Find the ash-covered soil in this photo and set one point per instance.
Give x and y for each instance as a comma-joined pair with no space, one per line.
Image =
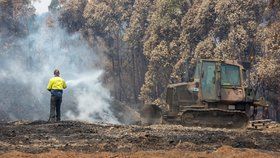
71,136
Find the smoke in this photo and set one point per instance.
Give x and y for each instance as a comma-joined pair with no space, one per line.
28,64
42,6
93,99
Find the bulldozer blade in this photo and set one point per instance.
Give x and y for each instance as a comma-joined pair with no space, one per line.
151,114
215,118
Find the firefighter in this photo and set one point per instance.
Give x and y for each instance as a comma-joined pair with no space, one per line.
56,86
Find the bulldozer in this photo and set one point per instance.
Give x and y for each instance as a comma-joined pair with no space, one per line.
216,97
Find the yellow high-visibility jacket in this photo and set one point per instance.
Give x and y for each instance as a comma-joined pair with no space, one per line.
56,83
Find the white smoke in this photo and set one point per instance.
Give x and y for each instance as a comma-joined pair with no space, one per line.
42,6
92,98
26,69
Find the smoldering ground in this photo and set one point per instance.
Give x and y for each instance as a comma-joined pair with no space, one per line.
27,64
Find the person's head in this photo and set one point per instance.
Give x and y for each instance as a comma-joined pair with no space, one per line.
56,73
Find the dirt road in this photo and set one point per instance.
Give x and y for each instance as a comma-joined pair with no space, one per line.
69,137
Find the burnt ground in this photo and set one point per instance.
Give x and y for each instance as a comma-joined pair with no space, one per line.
71,136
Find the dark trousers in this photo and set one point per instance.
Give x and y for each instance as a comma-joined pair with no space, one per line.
55,108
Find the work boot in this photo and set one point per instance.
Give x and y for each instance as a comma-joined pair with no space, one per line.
51,120
58,119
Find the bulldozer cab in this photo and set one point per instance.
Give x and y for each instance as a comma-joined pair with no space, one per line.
219,80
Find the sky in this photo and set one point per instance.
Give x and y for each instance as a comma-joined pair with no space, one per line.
42,6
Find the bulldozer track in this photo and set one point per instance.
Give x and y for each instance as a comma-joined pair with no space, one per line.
262,124
216,118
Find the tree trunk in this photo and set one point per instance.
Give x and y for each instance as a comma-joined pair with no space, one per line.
119,69
134,78
114,76
277,113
